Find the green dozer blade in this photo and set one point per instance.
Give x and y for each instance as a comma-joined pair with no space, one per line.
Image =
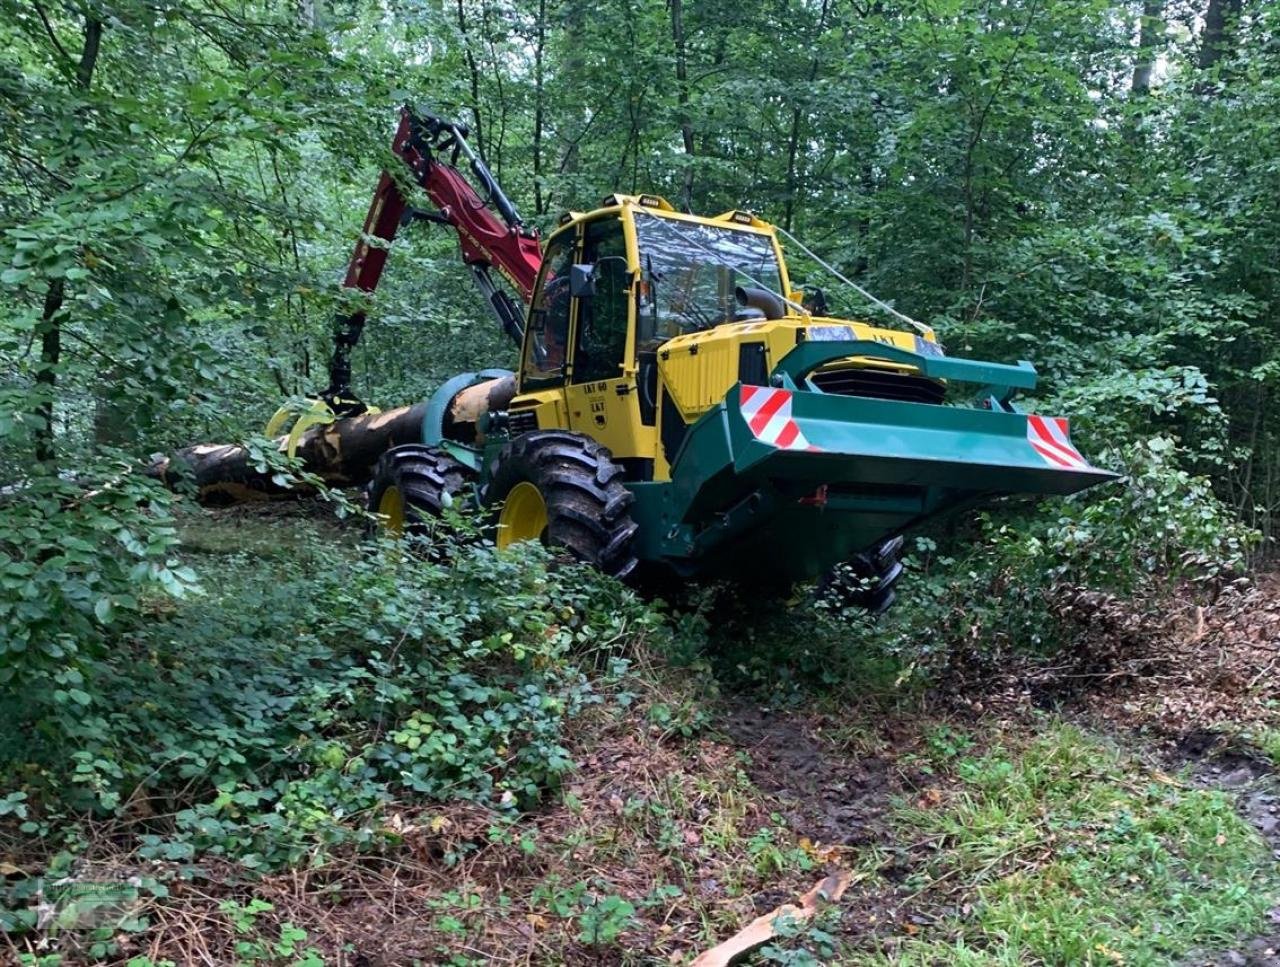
795,480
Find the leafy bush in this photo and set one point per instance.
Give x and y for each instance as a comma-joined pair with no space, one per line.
274,714
1142,537
79,559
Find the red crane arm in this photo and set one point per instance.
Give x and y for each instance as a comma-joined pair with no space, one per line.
504,244
484,238
431,146
383,221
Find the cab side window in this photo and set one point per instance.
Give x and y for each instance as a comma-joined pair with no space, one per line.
602,319
547,342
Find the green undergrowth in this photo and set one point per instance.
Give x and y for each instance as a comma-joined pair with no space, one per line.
271,715
1058,848
317,702
1271,745
1266,741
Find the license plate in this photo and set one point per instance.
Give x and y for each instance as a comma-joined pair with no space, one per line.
831,333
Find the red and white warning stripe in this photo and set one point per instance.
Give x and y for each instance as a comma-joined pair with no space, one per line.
768,414
1051,438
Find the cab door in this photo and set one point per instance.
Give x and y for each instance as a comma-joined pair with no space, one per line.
544,359
601,393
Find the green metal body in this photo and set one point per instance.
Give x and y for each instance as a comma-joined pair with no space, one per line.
433,420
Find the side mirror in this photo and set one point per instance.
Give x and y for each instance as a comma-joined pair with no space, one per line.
815,300
582,281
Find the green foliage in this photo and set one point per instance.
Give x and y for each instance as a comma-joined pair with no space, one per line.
254,948
180,187
771,852
605,919
80,560
803,944
1069,853
274,714
1163,526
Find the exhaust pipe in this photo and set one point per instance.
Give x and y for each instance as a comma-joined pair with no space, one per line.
762,299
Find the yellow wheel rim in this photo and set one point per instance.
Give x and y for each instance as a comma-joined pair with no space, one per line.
523,516
391,510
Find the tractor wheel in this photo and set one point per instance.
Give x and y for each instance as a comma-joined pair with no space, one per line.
412,485
564,490
867,580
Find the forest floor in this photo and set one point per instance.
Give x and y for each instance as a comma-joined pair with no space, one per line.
1122,807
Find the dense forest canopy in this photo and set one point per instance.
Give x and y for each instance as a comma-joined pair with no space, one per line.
1091,186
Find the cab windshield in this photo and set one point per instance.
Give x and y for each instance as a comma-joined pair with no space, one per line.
690,271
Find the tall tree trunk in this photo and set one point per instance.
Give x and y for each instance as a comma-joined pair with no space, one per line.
1220,19
477,128
49,328
539,108
309,14
50,332
573,119
682,99
1149,33
793,140
496,143
979,112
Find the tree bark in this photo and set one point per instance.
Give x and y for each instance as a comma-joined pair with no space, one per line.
1220,19
573,120
477,129
50,326
50,330
682,99
539,108
309,14
793,144
1149,33
341,453
793,140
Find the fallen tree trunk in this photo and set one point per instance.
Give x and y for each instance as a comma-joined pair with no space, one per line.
341,453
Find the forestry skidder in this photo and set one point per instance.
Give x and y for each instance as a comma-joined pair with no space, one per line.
679,406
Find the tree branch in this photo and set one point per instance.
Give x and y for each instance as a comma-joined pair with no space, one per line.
48,28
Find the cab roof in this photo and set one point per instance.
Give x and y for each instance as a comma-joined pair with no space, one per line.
617,200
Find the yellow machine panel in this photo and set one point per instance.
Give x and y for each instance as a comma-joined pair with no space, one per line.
699,368
608,411
546,406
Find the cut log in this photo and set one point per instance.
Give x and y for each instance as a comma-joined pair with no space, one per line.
463,418
763,929
341,453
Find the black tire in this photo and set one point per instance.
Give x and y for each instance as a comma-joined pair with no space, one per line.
427,479
867,580
588,508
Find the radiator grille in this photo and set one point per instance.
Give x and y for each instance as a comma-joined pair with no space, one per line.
880,384
521,421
